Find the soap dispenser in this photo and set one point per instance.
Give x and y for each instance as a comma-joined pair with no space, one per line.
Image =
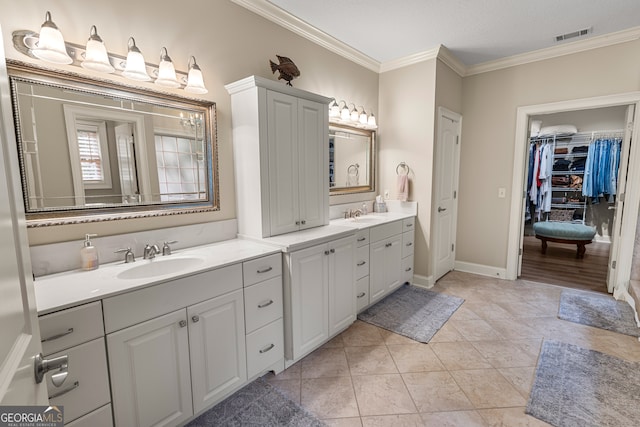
89,253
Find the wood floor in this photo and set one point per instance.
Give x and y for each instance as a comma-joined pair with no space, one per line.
560,265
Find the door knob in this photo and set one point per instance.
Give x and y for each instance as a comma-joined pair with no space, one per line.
42,366
441,209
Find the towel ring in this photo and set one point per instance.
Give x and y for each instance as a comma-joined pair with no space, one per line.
404,166
353,169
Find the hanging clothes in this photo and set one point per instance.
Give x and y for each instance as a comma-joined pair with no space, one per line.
601,169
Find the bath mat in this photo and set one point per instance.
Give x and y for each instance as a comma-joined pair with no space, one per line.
257,404
574,386
599,311
413,312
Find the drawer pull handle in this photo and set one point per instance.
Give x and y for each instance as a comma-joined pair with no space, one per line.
361,263
195,318
409,244
265,270
265,304
267,348
409,225
362,239
388,245
55,337
408,269
66,390
182,323
361,294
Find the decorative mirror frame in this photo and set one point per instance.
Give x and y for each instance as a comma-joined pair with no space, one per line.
371,187
22,72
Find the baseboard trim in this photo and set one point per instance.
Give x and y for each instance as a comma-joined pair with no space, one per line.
423,281
482,270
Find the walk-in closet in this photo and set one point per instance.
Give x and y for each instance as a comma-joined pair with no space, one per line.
571,187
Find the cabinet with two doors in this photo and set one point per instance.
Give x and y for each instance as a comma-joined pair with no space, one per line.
177,348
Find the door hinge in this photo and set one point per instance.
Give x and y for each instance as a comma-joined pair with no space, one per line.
452,247
457,139
455,194
520,251
613,264
621,197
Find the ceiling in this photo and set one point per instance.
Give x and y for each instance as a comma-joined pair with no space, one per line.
475,31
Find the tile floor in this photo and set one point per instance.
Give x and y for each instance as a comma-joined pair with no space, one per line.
476,371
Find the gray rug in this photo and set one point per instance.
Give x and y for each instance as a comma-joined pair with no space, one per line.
257,404
600,311
413,312
574,386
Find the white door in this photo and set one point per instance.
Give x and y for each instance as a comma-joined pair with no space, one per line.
282,140
309,298
217,344
342,293
445,207
612,271
150,374
19,331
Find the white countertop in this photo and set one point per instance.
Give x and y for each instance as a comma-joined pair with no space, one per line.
63,290
371,220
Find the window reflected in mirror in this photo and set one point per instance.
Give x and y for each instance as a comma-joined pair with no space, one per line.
351,160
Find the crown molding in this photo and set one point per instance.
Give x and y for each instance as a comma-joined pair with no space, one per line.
278,16
556,51
409,60
446,56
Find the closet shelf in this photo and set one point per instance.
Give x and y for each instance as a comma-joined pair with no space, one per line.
565,189
554,173
568,205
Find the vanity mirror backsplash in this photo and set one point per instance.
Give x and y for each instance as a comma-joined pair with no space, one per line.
351,159
94,150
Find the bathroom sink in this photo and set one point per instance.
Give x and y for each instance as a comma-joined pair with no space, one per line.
159,267
369,218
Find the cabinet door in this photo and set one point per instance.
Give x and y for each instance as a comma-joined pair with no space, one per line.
282,141
342,296
384,266
309,299
217,345
149,370
313,157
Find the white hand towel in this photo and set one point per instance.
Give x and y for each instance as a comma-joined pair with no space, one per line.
403,187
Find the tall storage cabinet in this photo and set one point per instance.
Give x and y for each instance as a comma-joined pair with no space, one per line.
281,157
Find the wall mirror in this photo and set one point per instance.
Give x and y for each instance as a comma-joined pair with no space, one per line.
92,150
351,159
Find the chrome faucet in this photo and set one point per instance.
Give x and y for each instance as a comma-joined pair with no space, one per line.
352,213
150,252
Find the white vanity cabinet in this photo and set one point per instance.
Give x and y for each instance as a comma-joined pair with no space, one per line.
281,157
408,241
319,294
79,333
385,256
362,269
190,353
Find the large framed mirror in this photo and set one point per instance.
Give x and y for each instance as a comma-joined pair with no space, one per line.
93,150
351,159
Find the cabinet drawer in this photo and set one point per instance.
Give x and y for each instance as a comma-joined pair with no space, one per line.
383,231
407,243
262,303
265,347
362,292
407,269
134,307
101,417
87,385
66,328
409,224
362,261
261,269
362,237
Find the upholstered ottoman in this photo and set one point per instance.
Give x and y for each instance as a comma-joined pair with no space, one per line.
564,232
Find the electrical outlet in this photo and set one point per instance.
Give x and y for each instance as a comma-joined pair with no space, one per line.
502,193
386,194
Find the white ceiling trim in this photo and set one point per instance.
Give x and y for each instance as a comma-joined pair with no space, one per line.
409,60
285,19
556,51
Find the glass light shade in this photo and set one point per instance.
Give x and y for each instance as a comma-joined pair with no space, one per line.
345,114
135,68
354,115
195,82
363,117
50,46
334,109
372,120
96,57
166,71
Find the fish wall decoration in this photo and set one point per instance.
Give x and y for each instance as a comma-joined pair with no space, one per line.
288,70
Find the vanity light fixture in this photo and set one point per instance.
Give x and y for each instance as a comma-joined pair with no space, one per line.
334,109
363,117
345,114
372,121
135,68
354,115
340,113
166,71
96,57
195,82
50,46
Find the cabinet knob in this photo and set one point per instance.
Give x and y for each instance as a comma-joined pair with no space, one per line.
327,252
182,323
303,222
333,251
361,294
297,222
387,245
409,244
195,318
